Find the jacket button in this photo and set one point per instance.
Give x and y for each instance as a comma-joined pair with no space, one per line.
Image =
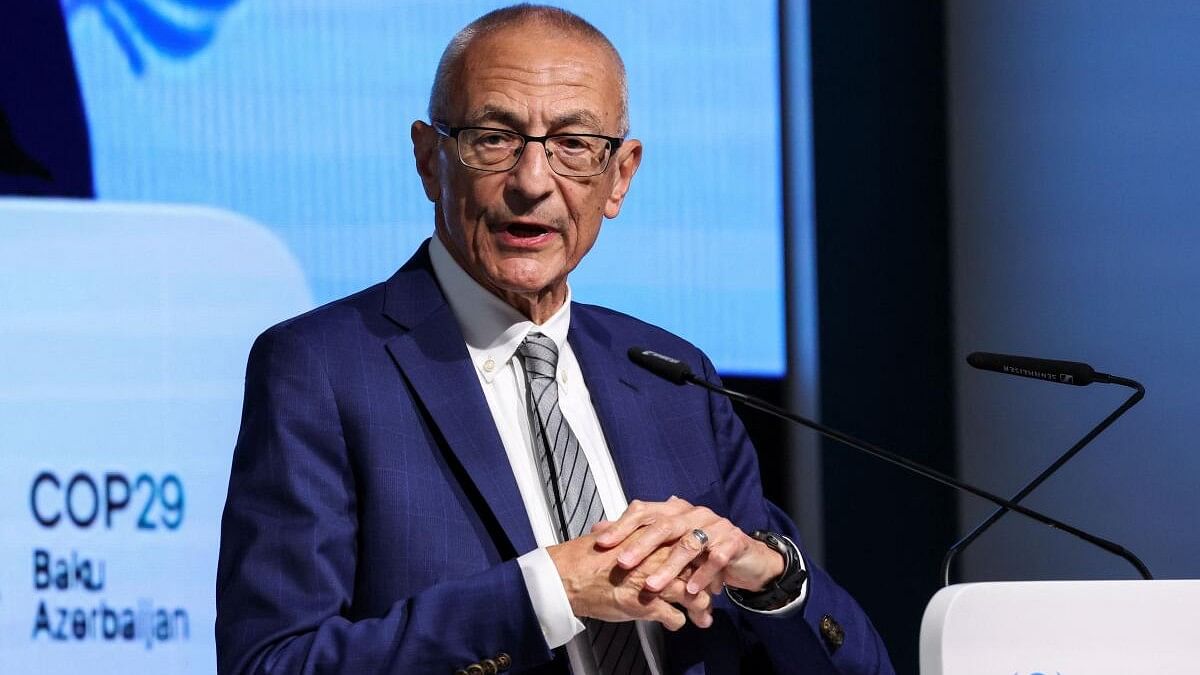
475,669
489,667
832,633
503,661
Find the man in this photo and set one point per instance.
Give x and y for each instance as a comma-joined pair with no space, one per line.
432,475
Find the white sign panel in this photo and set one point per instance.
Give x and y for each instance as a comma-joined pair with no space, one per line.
124,331
1063,628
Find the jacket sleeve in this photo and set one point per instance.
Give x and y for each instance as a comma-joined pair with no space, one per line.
288,559
794,639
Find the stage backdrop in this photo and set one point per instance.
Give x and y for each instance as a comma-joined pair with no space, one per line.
126,320
1076,160
297,114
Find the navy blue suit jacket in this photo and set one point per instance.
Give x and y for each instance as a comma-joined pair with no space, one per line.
373,521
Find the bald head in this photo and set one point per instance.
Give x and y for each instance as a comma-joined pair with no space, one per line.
532,20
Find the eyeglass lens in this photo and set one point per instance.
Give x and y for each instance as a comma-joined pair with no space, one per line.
494,150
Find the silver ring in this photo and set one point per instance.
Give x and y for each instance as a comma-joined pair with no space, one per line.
702,537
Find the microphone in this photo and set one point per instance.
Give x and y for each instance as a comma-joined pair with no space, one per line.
666,367
676,371
1049,370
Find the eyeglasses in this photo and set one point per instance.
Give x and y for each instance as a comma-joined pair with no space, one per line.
574,155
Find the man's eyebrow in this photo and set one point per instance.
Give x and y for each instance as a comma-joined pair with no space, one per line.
495,116
508,118
584,118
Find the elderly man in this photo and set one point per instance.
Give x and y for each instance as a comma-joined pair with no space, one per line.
458,470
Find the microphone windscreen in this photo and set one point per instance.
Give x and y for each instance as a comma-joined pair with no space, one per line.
1049,370
664,366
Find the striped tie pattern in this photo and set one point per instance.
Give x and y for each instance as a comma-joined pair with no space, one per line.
571,494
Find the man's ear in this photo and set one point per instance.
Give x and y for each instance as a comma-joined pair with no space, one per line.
628,159
425,151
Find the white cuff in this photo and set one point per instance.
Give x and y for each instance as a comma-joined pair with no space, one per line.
549,598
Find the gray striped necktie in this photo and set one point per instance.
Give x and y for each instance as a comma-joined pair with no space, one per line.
571,494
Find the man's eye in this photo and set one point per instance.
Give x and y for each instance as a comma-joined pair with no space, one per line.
493,140
573,143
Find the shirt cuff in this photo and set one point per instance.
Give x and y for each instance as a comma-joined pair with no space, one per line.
550,604
797,603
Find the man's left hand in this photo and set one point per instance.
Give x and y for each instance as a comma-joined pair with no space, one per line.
730,556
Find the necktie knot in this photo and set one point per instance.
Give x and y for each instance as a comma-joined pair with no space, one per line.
539,355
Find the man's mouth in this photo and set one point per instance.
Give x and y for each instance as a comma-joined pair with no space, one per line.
527,230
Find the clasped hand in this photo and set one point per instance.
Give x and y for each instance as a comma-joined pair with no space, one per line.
646,562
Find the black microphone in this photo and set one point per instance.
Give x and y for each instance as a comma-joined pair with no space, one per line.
1066,372
666,367
1050,370
676,371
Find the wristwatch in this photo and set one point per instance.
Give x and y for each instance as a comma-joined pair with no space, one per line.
784,588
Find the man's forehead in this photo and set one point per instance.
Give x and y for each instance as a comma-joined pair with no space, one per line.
537,53
571,80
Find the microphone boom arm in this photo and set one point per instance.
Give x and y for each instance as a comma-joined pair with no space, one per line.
932,474
1139,392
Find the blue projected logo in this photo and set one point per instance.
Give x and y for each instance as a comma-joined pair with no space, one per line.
176,29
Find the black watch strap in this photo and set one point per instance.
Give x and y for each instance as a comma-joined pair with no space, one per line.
785,588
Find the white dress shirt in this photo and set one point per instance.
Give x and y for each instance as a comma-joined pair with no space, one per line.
493,331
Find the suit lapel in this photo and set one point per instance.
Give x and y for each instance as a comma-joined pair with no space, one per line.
647,469
432,356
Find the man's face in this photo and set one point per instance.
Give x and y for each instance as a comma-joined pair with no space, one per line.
519,232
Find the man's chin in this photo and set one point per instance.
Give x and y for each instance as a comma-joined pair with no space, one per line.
528,290
522,276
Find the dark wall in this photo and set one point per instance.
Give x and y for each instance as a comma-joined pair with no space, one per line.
878,78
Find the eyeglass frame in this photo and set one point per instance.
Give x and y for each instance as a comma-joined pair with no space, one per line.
447,131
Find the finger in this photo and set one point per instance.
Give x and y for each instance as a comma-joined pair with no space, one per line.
601,525
673,529
655,536
637,515
718,557
654,608
698,605
689,550
701,616
684,552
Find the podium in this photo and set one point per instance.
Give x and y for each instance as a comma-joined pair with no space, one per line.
1063,628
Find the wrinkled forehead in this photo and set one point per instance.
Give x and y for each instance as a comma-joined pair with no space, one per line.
534,70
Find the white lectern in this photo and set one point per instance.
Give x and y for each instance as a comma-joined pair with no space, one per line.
1063,628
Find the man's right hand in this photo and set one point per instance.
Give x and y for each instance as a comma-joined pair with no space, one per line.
599,588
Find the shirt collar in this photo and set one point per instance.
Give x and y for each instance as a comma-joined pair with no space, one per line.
492,328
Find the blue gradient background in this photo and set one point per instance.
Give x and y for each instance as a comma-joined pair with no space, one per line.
1075,151
297,114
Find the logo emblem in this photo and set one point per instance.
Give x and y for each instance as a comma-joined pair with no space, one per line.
176,29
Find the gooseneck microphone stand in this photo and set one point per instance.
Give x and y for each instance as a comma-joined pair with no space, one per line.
1103,378
674,370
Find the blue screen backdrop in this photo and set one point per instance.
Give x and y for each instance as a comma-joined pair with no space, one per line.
296,114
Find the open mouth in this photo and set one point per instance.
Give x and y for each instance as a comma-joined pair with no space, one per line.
527,230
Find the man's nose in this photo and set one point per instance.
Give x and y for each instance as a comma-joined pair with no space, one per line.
532,177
